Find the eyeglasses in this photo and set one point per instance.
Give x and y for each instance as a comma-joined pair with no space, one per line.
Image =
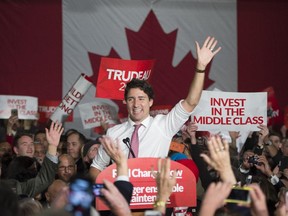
63,168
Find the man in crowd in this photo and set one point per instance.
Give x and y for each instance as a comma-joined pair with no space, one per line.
24,145
66,168
75,142
154,134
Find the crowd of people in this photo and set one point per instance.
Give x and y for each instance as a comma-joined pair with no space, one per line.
42,171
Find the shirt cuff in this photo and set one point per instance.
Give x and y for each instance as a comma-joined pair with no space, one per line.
52,158
122,178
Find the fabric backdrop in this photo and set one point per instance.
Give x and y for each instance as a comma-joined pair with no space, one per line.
46,44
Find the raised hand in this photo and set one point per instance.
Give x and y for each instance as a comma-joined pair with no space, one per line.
215,197
113,149
206,52
165,184
54,133
115,200
219,158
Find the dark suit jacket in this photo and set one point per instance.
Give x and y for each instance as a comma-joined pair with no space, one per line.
38,184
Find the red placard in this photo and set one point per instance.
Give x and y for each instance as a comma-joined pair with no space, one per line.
145,190
115,73
46,109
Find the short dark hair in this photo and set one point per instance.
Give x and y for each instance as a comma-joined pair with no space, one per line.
82,138
18,136
141,84
39,132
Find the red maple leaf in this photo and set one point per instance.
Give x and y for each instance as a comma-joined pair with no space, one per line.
170,83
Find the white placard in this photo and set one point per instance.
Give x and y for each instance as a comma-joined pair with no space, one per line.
230,111
27,106
93,113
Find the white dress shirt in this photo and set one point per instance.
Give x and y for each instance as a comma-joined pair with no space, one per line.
155,135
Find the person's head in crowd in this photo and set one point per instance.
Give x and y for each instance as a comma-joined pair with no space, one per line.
23,145
5,148
8,201
69,131
139,97
75,141
275,139
66,167
29,207
40,137
39,152
89,150
22,168
284,147
53,190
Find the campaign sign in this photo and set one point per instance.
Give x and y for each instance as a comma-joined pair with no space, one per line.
145,189
27,106
230,111
94,113
72,98
46,108
160,109
115,73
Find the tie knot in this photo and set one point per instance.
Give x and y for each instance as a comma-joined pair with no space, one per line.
137,126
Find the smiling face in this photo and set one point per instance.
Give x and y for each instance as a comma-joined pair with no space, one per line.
25,146
138,104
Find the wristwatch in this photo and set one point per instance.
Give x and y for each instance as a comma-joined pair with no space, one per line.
274,179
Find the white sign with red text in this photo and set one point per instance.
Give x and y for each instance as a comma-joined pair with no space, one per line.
230,111
72,98
93,113
27,106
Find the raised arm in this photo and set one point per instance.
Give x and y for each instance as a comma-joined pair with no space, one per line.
48,170
165,184
204,56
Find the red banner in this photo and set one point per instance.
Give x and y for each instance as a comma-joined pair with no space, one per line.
115,73
46,109
145,190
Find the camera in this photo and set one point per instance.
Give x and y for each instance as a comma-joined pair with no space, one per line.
14,112
239,195
253,160
81,194
97,190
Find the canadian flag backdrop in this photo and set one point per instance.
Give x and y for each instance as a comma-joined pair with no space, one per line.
46,44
